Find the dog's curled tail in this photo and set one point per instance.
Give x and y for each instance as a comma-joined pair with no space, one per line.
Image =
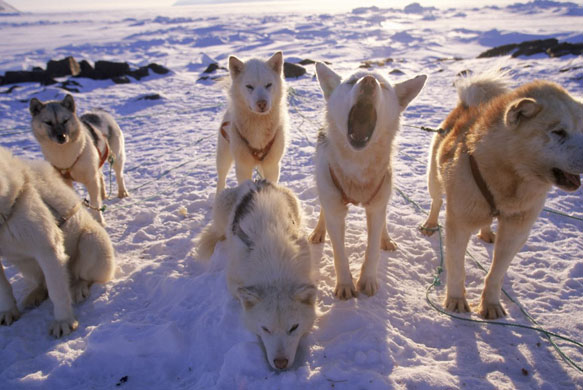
207,240
479,89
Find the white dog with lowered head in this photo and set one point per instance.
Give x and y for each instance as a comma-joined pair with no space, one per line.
501,153
353,164
253,130
51,239
269,269
78,147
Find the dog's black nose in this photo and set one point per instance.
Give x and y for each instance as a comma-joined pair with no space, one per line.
262,105
280,363
61,138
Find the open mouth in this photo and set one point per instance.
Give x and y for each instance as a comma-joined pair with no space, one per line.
566,181
362,120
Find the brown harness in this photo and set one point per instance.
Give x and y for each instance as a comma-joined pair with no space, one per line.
481,183
62,219
345,198
258,154
66,172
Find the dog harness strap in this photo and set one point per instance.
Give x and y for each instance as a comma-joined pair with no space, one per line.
66,172
62,219
103,157
97,136
345,198
258,154
223,131
483,186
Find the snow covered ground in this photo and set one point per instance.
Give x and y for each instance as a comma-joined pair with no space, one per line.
167,320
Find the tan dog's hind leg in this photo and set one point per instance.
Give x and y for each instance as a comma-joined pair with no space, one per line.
486,234
319,234
456,241
431,224
512,234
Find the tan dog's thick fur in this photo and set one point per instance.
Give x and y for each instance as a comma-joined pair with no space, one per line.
78,147
52,240
523,141
253,130
353,164
269,269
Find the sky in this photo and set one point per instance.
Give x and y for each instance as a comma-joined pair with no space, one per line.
75,5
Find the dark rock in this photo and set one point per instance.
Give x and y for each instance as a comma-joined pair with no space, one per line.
109,70
211,68
140,73
565,48
9,90
87,70
293,70
307,62
151,96
65,67
121,80
157,68
498,51
397,72
13,77
530,48
550,46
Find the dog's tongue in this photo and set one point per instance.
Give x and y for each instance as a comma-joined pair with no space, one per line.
361,122
567,181
574,180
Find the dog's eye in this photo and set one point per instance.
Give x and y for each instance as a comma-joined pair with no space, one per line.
249,87
48,123
266,330
293,328
561,133
65,121
267,86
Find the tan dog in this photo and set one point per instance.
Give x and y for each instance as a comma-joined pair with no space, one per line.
353,164
253,130
78,147
502,152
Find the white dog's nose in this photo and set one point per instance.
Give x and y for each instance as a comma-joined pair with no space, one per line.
368,85
280,363
261,105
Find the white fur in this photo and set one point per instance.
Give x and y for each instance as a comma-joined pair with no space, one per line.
270,269
257,111
62,262
359,171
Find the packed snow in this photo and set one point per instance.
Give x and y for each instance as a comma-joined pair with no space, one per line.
167,321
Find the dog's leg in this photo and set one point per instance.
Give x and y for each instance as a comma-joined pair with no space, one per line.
8,310
224,162
387,244
95,197
375,223
431,224
244,171
486,234
118,166
32,272
271,172
512,234
456,241
335,222
102,185
319,234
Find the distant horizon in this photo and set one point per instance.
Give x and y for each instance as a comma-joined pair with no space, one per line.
332,5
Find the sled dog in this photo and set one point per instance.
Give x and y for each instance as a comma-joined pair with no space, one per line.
78,147
353,164
269,269
253,129
51,239
501,152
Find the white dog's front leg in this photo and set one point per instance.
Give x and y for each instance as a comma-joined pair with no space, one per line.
512,234
375,222
244,171
335,221
94,190
271,172
319,234
456,241
8,310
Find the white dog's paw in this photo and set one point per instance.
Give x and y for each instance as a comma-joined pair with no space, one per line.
345,291
318,236
36,297
428,228
487,236
9,316
62,328
123,194
457,305
387,244
80,290
367,285
491,311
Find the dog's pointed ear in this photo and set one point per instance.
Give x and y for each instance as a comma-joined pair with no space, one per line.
408,90
69,103
249,296
306,294
327,78
35,106
236,66
520,109
276,62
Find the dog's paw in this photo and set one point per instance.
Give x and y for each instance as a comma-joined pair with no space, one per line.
387,244
123,194
345,291
80,290
317,236
491,311
457,305
36,297
367,285
62,328
428,228
487,236
9,316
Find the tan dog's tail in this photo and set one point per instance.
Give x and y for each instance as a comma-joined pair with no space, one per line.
207,240
476,90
